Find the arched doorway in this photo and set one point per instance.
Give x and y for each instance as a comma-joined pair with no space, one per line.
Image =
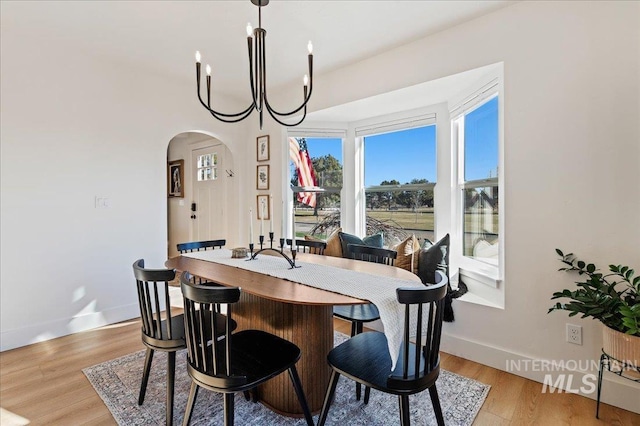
200,211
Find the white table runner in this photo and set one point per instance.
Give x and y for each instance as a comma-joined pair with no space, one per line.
377,289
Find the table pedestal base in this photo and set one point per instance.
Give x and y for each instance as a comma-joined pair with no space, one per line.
310,327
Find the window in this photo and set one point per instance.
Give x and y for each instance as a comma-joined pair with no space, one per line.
207,166
394,156
478,184
399,178
318,213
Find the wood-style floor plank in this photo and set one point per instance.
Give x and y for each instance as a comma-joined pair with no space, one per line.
44,384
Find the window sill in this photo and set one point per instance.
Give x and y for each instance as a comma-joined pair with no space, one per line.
484,288
477,300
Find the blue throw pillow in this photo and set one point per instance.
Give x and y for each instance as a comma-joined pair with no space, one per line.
375,240
432,259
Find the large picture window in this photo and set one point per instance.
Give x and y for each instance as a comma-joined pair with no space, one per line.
399,178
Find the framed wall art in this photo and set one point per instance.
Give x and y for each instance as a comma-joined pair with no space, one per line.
263,206
262,148
176,179
262,177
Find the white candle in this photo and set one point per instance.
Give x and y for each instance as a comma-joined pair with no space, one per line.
293,230
271,207
250,226
261,217
282,221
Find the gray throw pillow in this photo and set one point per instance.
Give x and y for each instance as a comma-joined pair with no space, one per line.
375,240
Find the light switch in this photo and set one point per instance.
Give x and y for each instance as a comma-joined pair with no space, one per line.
102,202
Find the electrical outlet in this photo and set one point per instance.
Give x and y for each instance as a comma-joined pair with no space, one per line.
574,334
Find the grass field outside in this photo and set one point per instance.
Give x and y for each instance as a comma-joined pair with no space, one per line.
420,222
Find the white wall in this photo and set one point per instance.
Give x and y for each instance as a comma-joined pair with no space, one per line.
83,127
74,127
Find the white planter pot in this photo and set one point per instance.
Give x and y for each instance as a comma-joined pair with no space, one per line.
623,347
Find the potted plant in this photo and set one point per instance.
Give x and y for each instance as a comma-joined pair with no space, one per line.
612,298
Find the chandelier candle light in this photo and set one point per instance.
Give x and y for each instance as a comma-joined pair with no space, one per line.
292,259
258,80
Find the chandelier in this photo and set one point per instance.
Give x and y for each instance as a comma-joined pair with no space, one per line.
258,80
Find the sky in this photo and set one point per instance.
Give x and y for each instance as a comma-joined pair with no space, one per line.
411,154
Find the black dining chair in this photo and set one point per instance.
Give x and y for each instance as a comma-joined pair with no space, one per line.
359,314
365,358
200,245
309,246
161,329
228,363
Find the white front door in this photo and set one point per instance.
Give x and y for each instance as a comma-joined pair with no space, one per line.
209,193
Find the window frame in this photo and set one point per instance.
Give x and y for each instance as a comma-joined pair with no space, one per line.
484,279
411,121
322,131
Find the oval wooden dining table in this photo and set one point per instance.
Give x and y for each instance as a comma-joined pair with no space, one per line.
299,313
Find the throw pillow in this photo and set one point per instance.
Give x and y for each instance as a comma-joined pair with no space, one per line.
434,258
408,254
375,240
333,244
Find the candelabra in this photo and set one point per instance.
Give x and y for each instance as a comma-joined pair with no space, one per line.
291,260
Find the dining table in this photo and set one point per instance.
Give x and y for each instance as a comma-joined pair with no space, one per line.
297,305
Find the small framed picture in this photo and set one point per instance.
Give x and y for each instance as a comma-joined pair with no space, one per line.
175,172
262,177
262,148
263,206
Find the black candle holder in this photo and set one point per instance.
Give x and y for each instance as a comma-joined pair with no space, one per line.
280,251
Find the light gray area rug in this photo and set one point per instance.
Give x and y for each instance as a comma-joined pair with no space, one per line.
118,383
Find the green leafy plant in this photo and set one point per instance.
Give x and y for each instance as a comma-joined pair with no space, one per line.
610,298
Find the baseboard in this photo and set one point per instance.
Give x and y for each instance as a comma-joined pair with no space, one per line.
616,391
11,339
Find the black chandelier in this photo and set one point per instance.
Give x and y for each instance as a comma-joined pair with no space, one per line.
258,80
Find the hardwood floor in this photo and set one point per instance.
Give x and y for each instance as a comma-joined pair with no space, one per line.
43,384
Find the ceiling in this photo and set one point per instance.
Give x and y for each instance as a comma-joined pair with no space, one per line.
164,35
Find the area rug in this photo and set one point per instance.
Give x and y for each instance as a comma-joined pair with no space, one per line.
118,383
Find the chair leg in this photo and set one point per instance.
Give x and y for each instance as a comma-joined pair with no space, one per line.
297,386
193,392
328,397
171,375
252,395
367,392
356,328
405,414
435,401
228,409
145,375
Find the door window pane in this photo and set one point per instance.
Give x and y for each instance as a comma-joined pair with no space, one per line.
207,167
